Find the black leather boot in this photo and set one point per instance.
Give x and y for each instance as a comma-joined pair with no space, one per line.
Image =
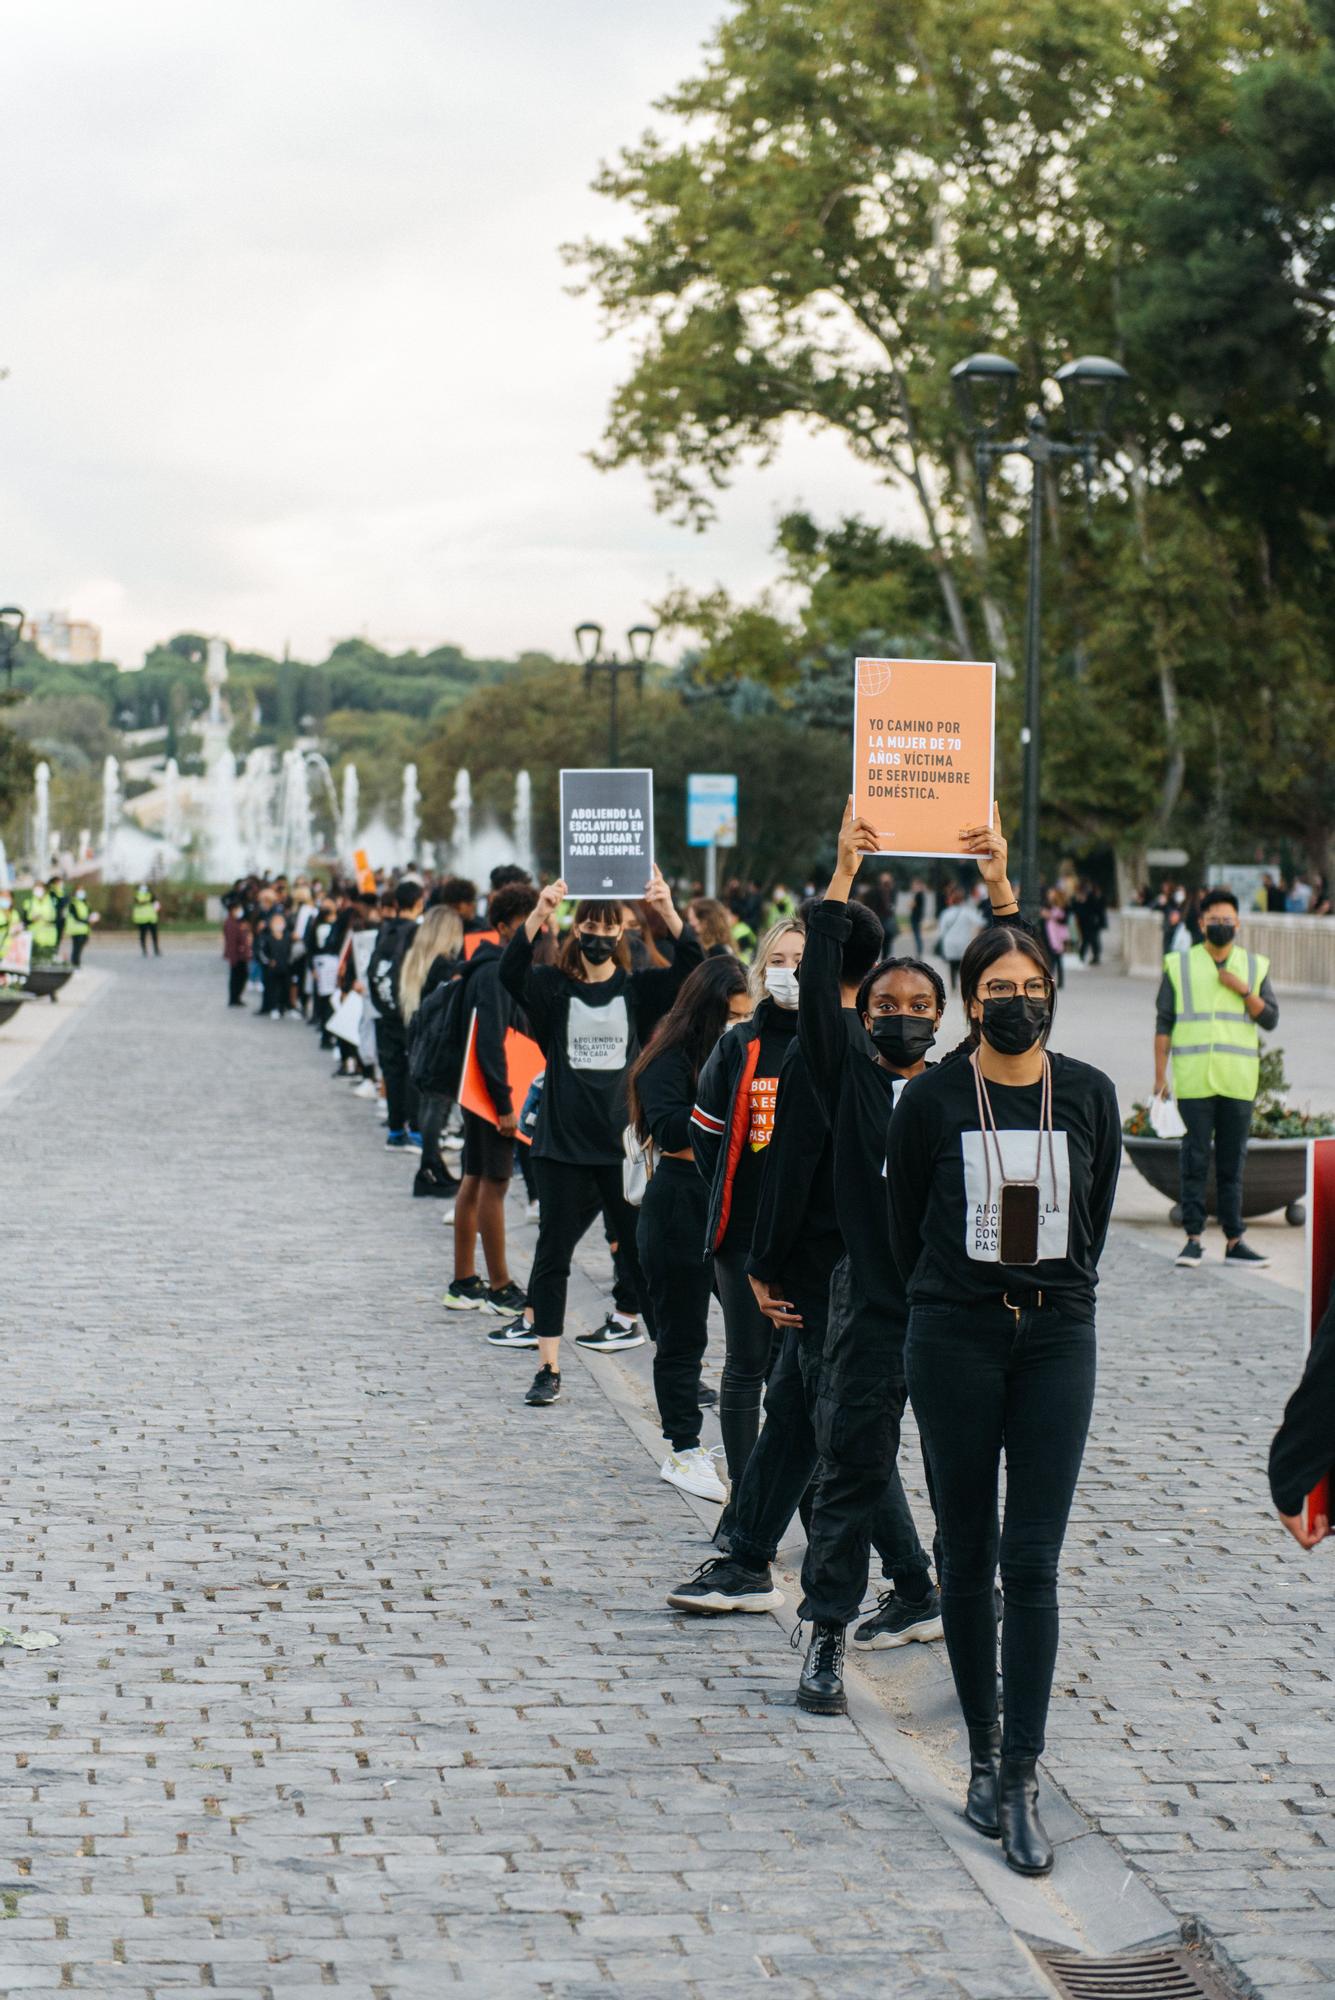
821,1688
980,1807
1027,1847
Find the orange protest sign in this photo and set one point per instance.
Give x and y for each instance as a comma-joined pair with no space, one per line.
365,872
923,751
524,1060
474,938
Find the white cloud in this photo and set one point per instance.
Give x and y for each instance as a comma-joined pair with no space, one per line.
291,350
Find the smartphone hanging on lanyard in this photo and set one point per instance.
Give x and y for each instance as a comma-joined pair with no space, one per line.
1017,1235
1018,1211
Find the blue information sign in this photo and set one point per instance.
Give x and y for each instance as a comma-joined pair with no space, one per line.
711,809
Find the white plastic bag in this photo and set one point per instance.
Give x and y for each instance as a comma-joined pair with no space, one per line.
1165,1118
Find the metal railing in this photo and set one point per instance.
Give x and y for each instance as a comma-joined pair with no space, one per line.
1301,950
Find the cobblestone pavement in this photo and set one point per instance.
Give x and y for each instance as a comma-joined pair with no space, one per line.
366,1683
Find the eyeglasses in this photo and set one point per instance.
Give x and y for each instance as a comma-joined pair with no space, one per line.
1005,989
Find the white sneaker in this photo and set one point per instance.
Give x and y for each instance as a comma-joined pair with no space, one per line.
382,1112
366,1088
447,1213
694,1471
532,1211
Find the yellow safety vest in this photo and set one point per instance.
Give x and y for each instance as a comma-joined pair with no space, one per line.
76,917
143,911
42,921
1215,1044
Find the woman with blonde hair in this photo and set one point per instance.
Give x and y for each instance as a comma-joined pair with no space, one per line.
731,1127
434,956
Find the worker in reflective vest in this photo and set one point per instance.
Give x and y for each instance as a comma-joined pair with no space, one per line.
1213,1001
43,922
11,923
78,923
144,912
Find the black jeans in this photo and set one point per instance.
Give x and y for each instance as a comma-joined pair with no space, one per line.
1226,1120
145,932
678,1284
237,975
572,1197
434,1110
748,1356
860,1497
76,949
778,1473
276,993
985,1381
391,1047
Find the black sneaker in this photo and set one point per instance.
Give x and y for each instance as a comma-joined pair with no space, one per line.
1191,1256
610,1338
423,1185
515,1333
509,1298
1239,1258
546,1388
399,1142
896,1622
465,1295
708,1398
820,1691
723,1585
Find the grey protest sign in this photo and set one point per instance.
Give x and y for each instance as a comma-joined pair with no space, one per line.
607,832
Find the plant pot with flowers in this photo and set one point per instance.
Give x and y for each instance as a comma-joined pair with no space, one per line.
1275,1173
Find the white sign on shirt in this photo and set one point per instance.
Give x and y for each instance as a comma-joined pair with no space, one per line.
598,1037
1019,1150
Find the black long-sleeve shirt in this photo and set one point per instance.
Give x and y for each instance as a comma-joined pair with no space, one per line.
590,1032
666,1087
858,1095
796,1238
943,1184
1303,1452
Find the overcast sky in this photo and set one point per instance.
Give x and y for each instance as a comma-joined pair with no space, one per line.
290,351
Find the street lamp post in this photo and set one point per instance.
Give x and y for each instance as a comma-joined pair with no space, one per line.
639,644
985,387
11,625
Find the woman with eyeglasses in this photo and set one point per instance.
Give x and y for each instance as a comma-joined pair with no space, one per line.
860,1065
1000,1174
589,1014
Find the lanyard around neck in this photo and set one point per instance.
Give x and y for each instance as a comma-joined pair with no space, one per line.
992,1138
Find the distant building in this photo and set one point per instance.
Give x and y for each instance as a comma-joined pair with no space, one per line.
72,642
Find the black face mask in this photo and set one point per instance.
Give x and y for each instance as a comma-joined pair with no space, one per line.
1013,1026
903,1039
597,949
1220,934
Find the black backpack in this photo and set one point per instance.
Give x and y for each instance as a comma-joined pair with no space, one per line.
382,974
436,1054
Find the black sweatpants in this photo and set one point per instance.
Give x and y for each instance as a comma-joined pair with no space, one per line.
859,1493
984,1381
678,1285
237,975
572,1198
391,1046
1227,1121
751,1345
145,932
434,1109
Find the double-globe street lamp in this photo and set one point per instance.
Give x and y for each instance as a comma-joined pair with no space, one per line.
639,644
985,388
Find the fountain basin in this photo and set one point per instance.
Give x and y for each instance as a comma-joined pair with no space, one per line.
10,1003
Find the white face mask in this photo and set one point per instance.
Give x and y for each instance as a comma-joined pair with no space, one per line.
781,984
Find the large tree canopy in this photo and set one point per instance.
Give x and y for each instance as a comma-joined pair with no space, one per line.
851,197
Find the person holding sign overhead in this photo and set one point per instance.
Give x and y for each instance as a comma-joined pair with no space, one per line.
589,1014
1001,1170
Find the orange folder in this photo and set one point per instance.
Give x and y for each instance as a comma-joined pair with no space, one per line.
524,1060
